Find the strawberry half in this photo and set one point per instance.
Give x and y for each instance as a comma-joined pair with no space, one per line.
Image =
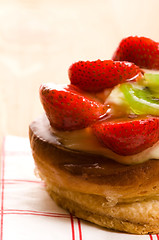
68,109
95,76
128,137
142,51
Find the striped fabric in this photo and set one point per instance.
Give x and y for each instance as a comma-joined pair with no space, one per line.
28,213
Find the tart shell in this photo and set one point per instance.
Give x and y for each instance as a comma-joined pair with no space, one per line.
96,188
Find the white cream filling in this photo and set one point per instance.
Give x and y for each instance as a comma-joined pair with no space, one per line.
84,140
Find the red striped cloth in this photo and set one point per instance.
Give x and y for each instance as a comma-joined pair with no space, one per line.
27,212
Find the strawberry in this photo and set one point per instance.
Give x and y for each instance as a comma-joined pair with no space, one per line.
128,136
142,51
68,109
95,76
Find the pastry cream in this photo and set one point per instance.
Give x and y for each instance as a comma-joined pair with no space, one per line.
84,140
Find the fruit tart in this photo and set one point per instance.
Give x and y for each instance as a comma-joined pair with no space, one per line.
97,145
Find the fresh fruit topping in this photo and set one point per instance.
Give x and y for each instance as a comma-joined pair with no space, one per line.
95,76
142,51
141,101
151,81
68,109
128,137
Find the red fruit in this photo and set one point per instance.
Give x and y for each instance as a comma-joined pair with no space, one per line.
97,75
128,137
142,51
68,109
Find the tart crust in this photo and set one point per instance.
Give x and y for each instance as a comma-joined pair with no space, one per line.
95,188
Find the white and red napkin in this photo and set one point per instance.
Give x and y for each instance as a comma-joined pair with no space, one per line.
28,213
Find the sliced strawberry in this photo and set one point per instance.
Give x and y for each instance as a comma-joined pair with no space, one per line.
95,76
129,136
68,109
142,51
